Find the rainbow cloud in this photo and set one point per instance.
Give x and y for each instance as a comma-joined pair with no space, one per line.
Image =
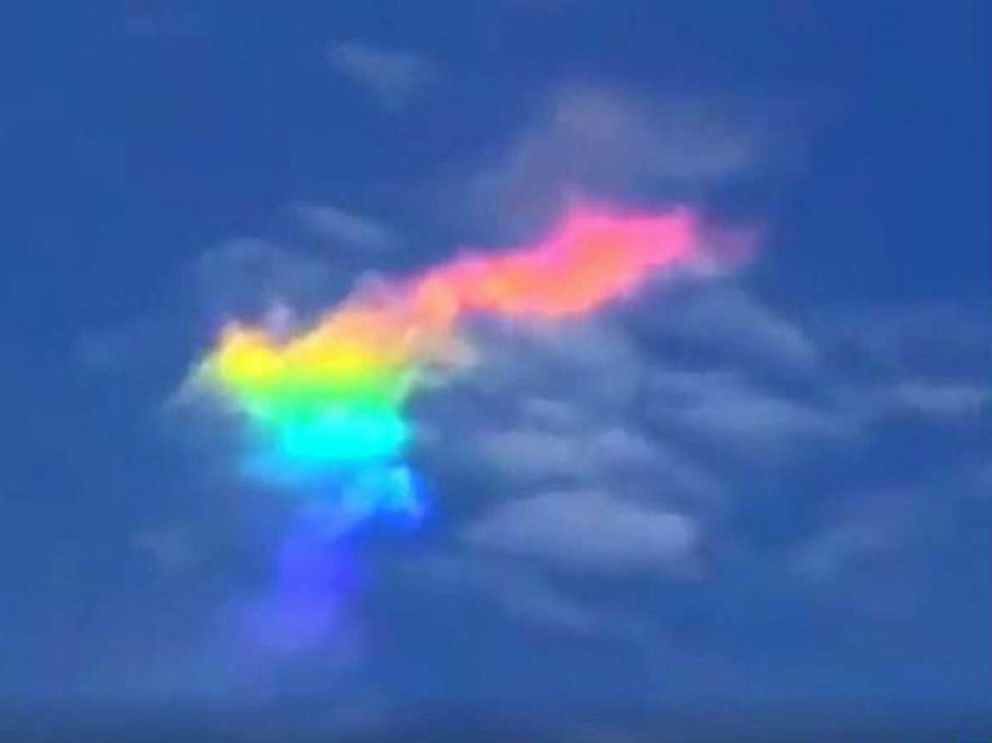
324,410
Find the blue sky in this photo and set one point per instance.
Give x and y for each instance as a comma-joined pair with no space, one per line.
769,486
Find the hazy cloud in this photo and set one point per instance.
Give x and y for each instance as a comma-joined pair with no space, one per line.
600,140
941,399
171,548
924,340
392,76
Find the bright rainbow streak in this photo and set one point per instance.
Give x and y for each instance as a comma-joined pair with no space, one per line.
325,408
591,258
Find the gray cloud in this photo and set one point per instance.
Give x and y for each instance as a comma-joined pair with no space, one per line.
564,408
728,410
589,531
605,454
727,319
616,457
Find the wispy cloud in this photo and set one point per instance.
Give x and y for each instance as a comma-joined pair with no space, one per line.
606,140
942,399
394,77
523,594
344,228
147,21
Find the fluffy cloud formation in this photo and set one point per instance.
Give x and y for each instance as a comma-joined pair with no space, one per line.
625,446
